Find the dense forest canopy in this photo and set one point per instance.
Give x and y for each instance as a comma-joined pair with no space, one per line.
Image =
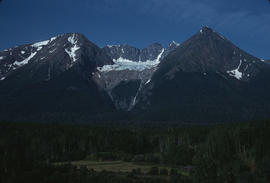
217,153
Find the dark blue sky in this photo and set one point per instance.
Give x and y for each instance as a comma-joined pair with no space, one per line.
137,22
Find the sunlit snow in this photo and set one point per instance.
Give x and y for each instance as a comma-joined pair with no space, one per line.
39,45
134,101
72,39
25,61
236,73
52,39
110,46
73,49
125,64
177,44
72,52
1,58
147,81
42,43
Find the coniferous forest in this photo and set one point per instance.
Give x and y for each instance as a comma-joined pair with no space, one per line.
47,153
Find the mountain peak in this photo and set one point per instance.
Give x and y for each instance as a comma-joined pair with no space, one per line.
206,29
173,43
208,51
209,32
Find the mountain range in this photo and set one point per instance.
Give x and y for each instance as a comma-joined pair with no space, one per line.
68,78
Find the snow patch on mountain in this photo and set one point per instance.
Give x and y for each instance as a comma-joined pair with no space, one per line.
125,64
236,73
25,61
40,45
72,53
52,39
135,97
174,43
133,102
1,58
159,56
111,46
73,49
72,39
148,81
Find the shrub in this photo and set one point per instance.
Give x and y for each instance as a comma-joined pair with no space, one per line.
153,171
164,171
173,171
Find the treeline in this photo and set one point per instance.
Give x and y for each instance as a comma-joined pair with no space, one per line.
217,153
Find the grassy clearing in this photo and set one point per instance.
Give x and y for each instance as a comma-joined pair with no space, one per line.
122,167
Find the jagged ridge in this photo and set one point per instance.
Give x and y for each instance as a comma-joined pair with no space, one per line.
203,79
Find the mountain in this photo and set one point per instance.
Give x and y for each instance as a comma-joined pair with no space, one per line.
207,79
208,51
67,78
52,80
61,53
267,61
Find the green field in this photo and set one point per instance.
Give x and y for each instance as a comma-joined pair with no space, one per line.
122,167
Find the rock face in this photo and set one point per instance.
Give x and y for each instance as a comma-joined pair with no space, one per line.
69,79
130,53
132,68
123,51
